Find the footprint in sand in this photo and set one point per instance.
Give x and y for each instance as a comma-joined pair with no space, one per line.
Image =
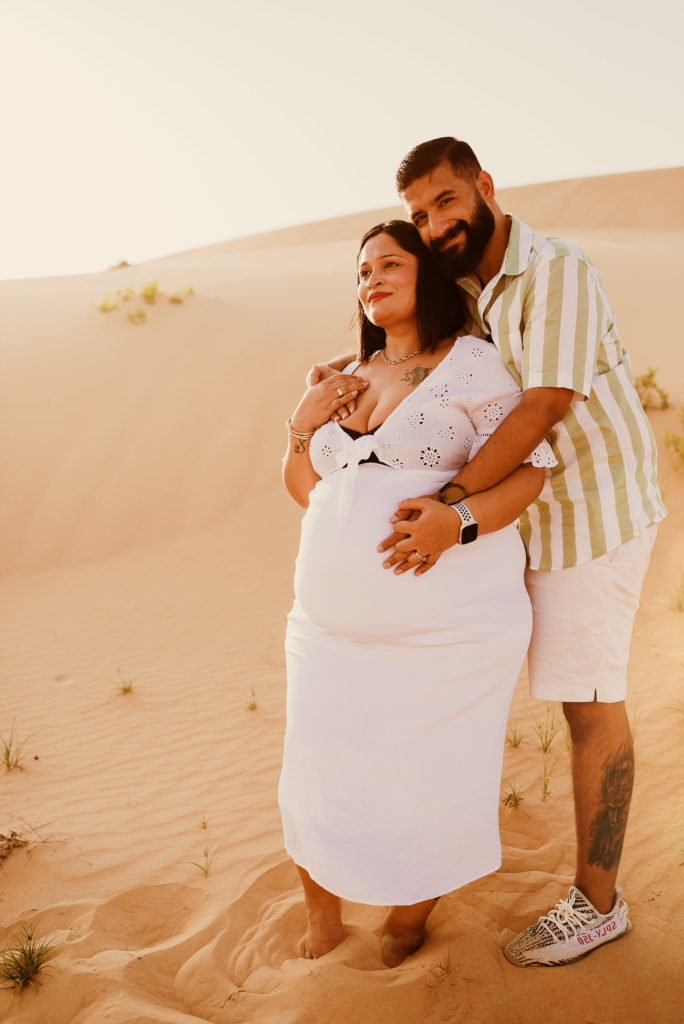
64,678
261,950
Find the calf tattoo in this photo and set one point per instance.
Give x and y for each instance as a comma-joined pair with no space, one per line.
416,375
607,833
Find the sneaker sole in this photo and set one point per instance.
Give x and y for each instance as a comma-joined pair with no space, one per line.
563,963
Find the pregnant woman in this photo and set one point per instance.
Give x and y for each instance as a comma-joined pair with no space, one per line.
399,684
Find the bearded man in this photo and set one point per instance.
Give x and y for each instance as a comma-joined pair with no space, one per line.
590,533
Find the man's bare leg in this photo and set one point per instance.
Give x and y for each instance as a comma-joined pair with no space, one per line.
403,931
324,928
602,775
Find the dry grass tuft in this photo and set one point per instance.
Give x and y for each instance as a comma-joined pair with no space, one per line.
21,964
123,685
12,841
205,862
514,738
11,751
548,729
513,795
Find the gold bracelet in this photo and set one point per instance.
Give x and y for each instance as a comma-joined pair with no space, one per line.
300,435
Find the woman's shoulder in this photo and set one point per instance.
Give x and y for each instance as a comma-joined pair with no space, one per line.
469,349
468,342
480,363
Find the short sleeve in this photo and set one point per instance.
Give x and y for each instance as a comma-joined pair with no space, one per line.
564,316
492,396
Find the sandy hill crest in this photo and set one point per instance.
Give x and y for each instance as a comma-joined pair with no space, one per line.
638,201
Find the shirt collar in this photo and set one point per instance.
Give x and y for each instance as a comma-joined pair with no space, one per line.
516,258
519,249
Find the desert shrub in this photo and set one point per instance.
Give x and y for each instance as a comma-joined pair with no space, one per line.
149,292
650,393
675,442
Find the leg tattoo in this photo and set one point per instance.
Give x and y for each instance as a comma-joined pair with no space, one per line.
607,832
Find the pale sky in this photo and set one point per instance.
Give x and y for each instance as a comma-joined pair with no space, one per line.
137,128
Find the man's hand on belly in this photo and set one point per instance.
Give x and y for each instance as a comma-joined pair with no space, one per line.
432,528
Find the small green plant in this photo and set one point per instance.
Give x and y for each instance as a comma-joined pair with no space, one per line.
106,306
126,294
546,777
11,751
205,862
675,442
123,685
139,317
204,821
513,796
547,730
190,290
514,738
252,706
176,298
20,964
651,395
149,292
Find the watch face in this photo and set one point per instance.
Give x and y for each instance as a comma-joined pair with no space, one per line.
469,533
452,493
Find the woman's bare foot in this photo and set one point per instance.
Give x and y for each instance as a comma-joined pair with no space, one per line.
395,948
324,931
324,928
403,931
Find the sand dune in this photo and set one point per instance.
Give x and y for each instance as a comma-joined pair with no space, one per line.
640,200
144,527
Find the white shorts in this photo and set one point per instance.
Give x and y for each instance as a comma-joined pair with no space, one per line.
582,624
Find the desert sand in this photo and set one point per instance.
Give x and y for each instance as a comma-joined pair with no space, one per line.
146,538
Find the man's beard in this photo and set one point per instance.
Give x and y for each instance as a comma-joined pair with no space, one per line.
460,262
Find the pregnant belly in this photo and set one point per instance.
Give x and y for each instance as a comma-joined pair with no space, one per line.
341,586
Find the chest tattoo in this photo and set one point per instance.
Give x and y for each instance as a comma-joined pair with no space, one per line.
416,375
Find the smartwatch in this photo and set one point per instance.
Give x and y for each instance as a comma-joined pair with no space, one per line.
468,523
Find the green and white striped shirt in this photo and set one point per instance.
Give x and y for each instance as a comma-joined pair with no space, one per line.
548,315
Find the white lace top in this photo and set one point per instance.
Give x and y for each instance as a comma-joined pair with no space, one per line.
440,425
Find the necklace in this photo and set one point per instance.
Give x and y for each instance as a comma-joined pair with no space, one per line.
393,362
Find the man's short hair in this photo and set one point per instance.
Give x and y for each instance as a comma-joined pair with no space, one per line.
428,155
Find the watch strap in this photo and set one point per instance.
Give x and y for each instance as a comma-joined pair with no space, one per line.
464,512
467,519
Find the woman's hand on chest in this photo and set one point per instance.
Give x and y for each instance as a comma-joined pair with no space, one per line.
388,387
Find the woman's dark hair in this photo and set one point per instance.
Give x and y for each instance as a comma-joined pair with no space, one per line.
440,306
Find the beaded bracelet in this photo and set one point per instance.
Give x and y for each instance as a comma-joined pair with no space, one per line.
300,435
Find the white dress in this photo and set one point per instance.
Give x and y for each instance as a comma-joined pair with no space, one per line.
399,686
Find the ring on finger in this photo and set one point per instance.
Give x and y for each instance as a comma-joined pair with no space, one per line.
340,392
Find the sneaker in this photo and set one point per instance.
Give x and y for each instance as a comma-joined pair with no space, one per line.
569,932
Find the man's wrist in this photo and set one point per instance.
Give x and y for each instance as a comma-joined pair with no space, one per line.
452,492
